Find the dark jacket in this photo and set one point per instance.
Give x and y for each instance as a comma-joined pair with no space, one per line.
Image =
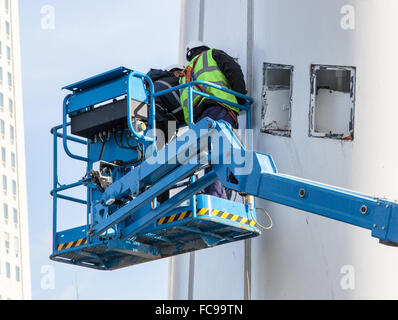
168,103
232,71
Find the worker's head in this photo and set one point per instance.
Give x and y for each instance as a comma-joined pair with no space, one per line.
194,48
175,69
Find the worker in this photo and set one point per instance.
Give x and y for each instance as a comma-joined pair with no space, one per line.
216,66
168,107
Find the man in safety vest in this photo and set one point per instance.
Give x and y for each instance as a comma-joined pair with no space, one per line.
216,66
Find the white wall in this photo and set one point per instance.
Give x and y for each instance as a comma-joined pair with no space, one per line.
303,255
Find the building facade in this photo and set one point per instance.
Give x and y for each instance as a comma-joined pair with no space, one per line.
299,57
14,237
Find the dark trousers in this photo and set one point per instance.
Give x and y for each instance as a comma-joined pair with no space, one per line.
216,112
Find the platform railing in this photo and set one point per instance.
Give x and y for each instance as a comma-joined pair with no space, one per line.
191,91
57,187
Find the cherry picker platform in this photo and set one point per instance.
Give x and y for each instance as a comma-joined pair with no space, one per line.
113,116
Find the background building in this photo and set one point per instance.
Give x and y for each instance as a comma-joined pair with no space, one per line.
14,237
344,136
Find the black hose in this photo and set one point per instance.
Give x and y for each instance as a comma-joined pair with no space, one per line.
128,143
117,142
102,151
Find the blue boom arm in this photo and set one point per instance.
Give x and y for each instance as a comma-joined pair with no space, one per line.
379,216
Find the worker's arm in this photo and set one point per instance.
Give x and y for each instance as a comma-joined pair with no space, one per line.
232,71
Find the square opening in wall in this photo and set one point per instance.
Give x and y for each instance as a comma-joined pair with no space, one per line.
277,99
332,102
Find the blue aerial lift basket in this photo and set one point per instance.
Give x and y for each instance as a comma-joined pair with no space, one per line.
130,227
113,117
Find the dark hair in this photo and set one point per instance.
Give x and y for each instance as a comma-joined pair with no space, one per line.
194,52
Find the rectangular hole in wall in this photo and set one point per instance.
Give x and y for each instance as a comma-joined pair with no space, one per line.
277,99
332,102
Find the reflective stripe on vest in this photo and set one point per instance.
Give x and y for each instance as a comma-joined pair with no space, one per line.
206,69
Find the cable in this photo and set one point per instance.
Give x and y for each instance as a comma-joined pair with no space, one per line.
248,281
269,218
102,151
110,171
100,137
141,148
117,142
121,140
129,144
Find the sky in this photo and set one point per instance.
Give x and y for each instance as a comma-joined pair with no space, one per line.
85,38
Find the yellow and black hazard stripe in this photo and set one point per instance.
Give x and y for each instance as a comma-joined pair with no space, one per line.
73,244
175,217
205,211
233,217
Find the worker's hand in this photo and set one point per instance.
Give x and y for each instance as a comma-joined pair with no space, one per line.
241,101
